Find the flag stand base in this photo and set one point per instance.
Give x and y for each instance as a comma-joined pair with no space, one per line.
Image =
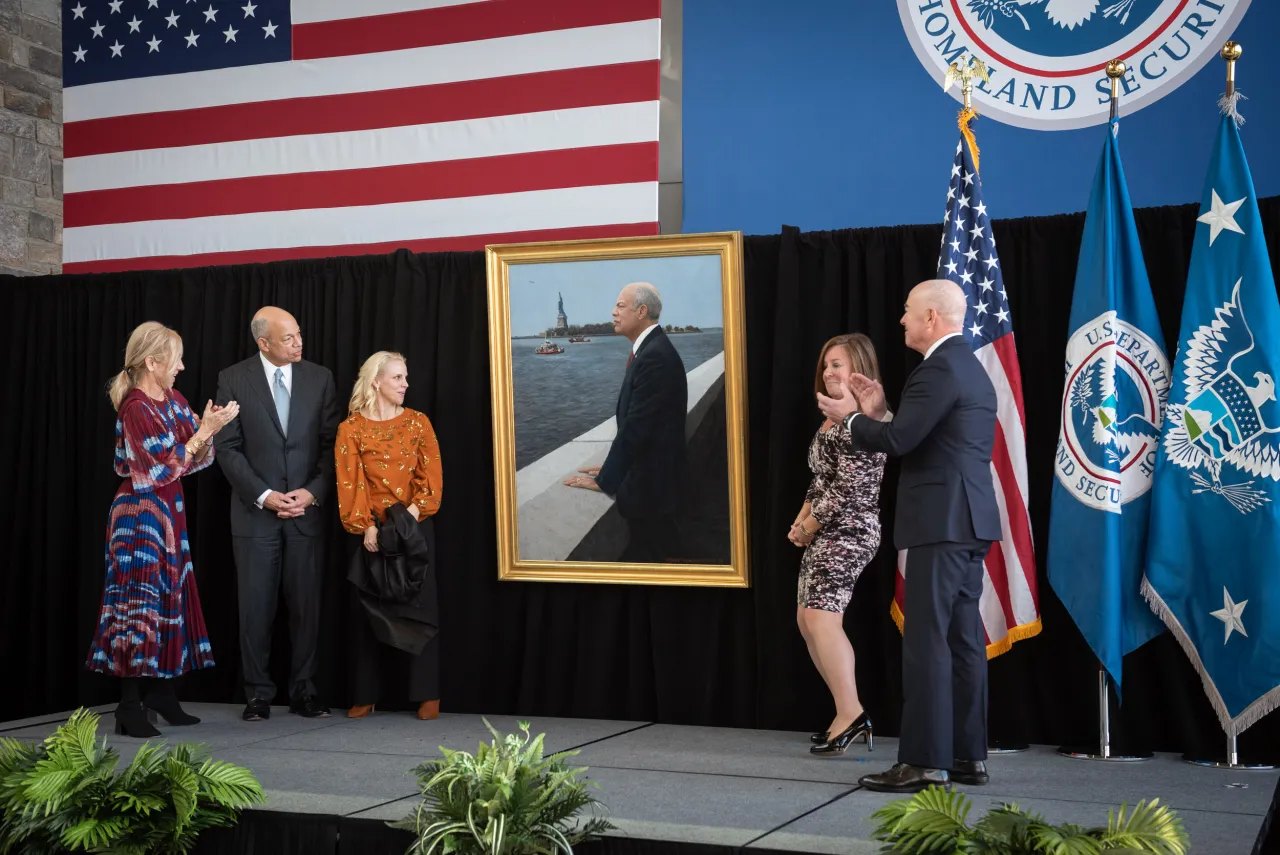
1103,751
1007,747
1082,753
1231,760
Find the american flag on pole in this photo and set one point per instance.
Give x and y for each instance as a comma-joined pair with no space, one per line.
231,131
1009,603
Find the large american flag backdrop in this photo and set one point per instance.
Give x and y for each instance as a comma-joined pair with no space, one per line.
229,131
1009,604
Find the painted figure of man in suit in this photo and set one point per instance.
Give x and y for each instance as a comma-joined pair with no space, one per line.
946,519
645,468
279,460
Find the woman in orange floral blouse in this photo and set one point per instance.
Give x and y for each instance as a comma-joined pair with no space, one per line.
387,454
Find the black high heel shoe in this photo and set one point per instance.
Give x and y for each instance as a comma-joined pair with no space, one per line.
819,737
162,699
131,720
837,745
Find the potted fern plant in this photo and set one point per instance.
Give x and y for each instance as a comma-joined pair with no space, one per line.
64,795
936,821
506,799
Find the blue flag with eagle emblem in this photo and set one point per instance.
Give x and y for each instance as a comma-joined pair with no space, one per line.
1212,570
1117,380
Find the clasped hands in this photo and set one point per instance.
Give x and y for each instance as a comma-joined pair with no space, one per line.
287,506
862,395
799,536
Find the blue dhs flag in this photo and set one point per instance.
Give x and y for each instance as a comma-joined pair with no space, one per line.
1213,559
1117,380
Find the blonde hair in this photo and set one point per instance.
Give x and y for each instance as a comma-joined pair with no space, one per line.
150,340
363,393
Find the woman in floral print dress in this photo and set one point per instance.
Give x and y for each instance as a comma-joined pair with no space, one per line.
839,528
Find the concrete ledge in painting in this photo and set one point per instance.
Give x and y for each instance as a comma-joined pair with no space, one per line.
553,518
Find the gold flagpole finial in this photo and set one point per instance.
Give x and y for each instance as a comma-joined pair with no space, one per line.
1231,52
1115,70
964,73
1230,102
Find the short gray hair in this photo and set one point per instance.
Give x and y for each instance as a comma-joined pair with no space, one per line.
647,295
259,328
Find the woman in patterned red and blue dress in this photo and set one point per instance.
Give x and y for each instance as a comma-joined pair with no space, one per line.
150,629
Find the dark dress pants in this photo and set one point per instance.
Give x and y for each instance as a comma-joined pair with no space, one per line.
295,562
369,659
944,656
652,540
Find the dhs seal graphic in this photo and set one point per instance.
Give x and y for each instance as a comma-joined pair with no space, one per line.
1221,429
1048,58
1112,407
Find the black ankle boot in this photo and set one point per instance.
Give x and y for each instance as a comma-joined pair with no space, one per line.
162,699
836,745
131,717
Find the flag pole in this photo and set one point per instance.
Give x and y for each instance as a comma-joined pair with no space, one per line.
1104,751
1115,71
965,73
1231,52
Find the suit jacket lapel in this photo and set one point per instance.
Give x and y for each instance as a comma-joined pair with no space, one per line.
258,380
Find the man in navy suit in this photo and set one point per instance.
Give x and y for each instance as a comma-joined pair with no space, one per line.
644,470
946,519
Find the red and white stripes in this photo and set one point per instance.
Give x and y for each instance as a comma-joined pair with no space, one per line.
426,124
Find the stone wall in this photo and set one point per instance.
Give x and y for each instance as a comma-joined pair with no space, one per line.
31,137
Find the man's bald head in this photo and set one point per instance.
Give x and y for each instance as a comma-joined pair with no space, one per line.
935,308
277,335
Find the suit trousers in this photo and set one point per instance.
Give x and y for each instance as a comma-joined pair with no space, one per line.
944,656
263,566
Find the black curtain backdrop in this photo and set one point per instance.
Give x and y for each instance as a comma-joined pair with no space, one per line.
687,656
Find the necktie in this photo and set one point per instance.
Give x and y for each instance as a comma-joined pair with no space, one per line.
630,358
282,401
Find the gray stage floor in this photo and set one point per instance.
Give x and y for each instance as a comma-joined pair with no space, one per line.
694,784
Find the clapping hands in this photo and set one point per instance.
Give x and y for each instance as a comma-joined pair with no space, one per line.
217,417
862,395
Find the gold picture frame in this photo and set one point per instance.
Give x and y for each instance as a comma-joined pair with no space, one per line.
570,534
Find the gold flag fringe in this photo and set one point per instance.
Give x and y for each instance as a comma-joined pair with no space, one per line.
967,115
995,648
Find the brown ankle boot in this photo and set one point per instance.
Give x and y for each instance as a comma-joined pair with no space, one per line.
360,711
429,710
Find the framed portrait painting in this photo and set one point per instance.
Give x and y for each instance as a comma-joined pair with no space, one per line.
619,410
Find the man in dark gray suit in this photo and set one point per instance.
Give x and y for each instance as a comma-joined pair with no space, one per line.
279,460
946,519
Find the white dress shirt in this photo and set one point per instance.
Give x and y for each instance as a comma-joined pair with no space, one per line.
635,346
934,346
287,377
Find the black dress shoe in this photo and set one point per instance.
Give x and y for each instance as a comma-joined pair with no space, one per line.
971,772
308,707
257,709
819,737
905,778
836,745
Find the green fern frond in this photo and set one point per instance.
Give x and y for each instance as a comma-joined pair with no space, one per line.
1150,828
1065,840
